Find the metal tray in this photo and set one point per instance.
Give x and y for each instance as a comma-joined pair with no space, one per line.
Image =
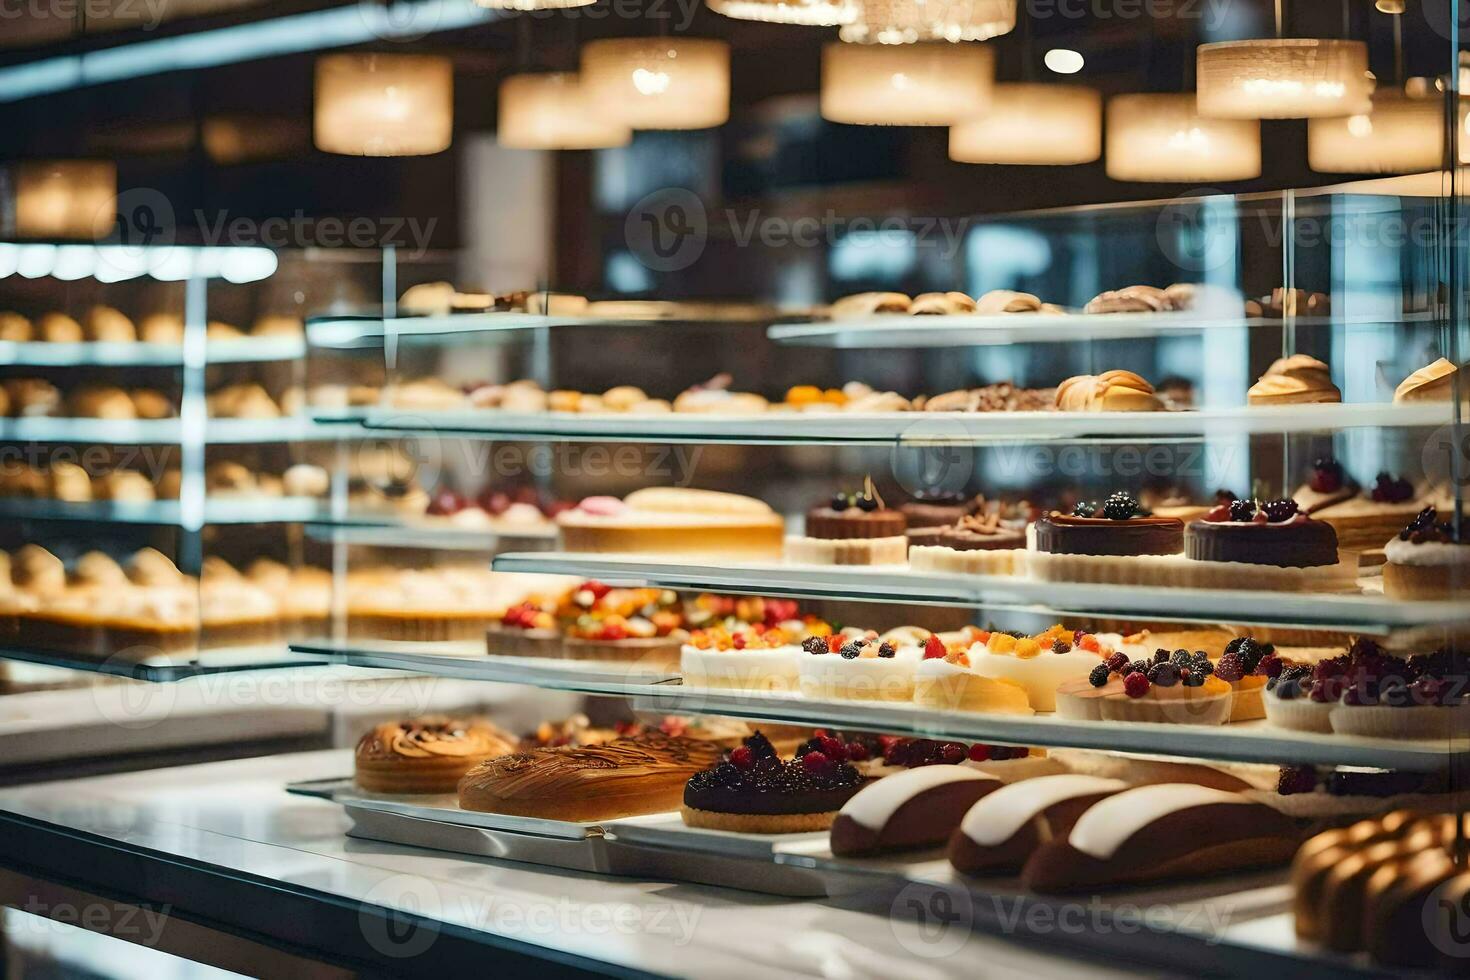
443,809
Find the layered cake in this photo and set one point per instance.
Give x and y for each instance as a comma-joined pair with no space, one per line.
625,777
977,544
1247,544
673,521
947,680
935,511
753,790
1105,543
862,667
852,529
1429,559
426,755
751,659
1040,663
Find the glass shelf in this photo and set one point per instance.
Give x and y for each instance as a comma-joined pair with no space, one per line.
258,510
915,428
137,432
1369,613
168,670
661,692
439,537
98,354
353,331
1043,328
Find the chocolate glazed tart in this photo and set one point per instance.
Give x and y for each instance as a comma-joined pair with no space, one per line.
854,522
1063,534
1292,544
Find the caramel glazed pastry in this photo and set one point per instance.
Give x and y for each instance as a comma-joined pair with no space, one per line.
426,755
625,777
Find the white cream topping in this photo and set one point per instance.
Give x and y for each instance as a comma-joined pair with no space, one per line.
938,667
996,818
740,665
1039,675
1401,552
874,805
1106,825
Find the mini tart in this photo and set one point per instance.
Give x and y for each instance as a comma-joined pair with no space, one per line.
1033,664
1208,704
1366,520
711,660
1426,561
426,755
1417,722
1065,534
1291,707
830,524
880,671
753,791
953,686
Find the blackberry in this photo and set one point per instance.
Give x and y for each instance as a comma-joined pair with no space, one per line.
1424,521
1201,664
886,650
1190,677
1087,508
1160,656
1243,511
1285,688
1182,658
1249,651
1163,674
1061,646
1118,663
1280,510
840,501
1137,667
867,504
852,651
1099,675
1120,507
815,644
1296,779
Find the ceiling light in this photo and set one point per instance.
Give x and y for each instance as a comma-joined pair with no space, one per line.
1400,135
1162,138
384,105
811,13
65,198
1037,124
932,84
1276,78
1063,61
659,83
908,21
553,111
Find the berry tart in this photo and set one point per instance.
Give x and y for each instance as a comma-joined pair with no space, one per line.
1273,546
527,629
755,658
884,755
1248,665
670,520
426,755
977,544
1106,543
858,667
754,791
945,679
1306,792
1003,829
1427,560
1041,663
1366,520
1178,688
603,623
852,529
1328,485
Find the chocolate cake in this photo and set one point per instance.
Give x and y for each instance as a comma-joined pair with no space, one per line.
1274,533
936,509
1117,528
858,515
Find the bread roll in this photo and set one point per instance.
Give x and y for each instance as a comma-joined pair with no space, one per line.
58,328
32,397
100,402
149,403
111,326
162,328
16,328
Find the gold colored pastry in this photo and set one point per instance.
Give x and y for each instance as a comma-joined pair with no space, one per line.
1130,299
228,479
243,401
1432,383
216,571
69,482
97,569
161,328
152,567
426,299
277,325
24,480
623,397
109,326
15,328
149,403
426,755
37,571
4,403
293,400
556,304
1298,379
869,304
564,401
168,485
941,304
305,480
1111,391
219,330
426,395
58,328
123,485
523,396
1007,301
100,402
32,397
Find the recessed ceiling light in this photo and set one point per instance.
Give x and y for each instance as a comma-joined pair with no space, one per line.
1063,61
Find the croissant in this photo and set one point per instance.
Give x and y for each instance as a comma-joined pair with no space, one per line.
1111,391
1130,299
1298,379
941,304
867,304
1433,382
1007,301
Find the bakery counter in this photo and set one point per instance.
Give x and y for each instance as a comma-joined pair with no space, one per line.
914,428
226,849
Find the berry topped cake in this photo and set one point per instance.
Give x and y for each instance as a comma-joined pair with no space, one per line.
1329,484
1364,521
1178,687
1429,559
1272,533
861,667
753,790
1116,527
852,529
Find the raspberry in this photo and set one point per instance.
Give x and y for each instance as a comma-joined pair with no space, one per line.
856,752
738,641
1326,476
1087,508
1281,510
1270,666
1120,507
1164,674
1077,636
934,649
1243,511
979,753
816,763
815,645
1387,490
1135,685
1230,668
742,757
1296,779
831,747
1117,663
1099,675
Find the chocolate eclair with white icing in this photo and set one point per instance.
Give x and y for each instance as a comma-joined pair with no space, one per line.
1001,831
426,755
908,810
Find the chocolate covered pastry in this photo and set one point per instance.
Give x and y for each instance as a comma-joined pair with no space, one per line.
1003,829
426,755
908,810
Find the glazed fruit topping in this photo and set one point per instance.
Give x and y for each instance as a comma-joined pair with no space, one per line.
1425,527
1326,476
1281,510
1242,511
851,651
1061,646
934,649
742,758
1120,507
1135,685
815,644
1388,490
886,650
755,767
1296,779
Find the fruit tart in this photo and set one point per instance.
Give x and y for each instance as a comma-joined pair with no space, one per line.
858,666
1311,793
603,623
1428,559
754,791
527,629
1366,520
1166,688
852,529
1041,663
755,658
947,680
